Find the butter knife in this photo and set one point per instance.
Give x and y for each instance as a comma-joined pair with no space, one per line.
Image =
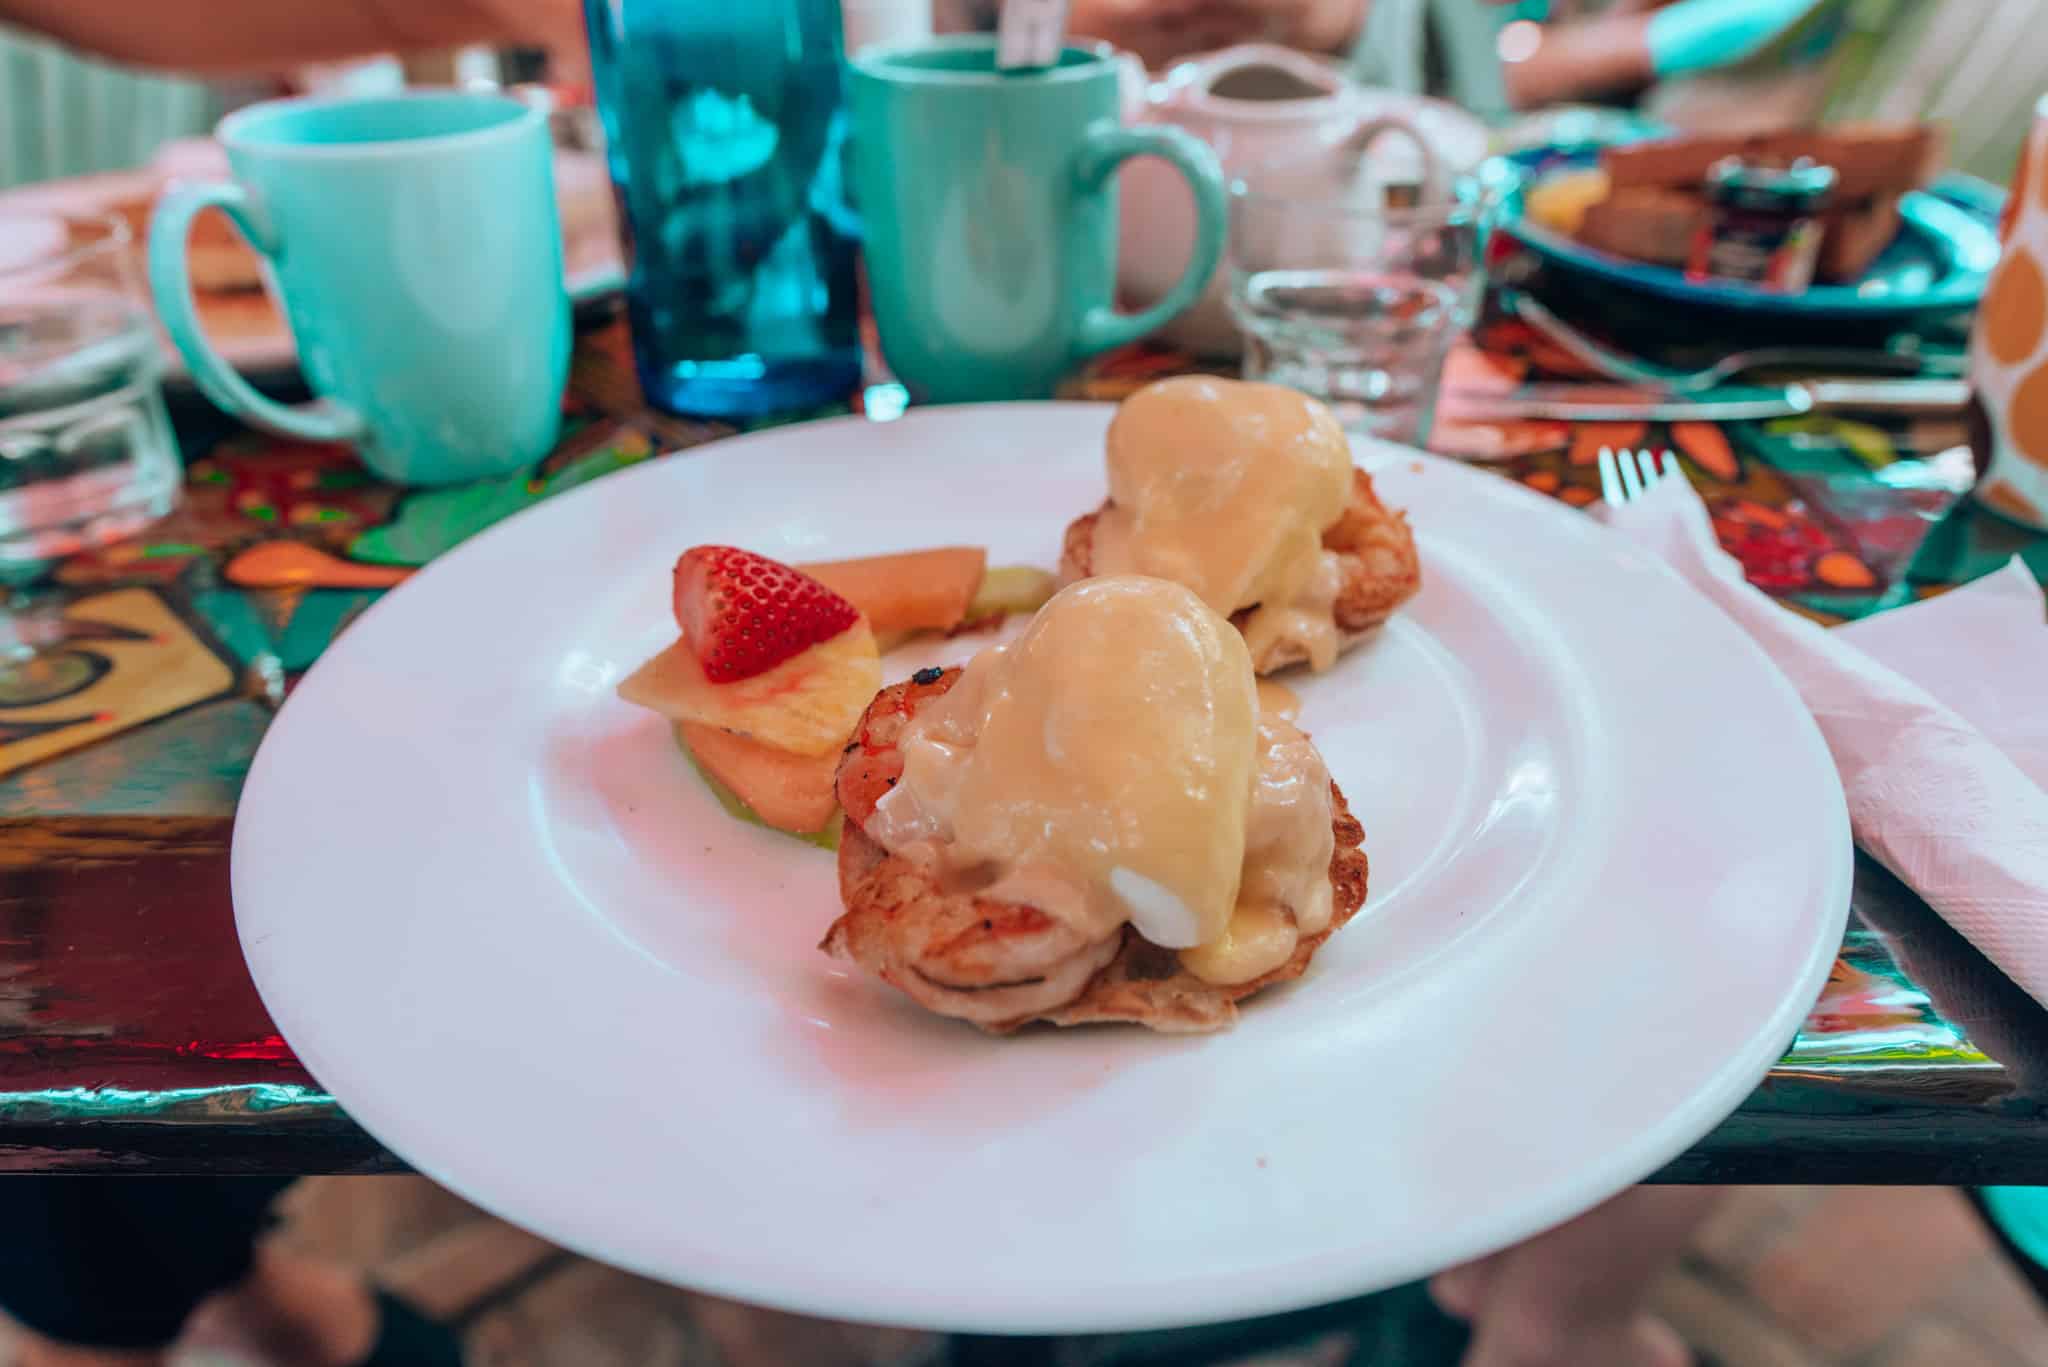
1727,403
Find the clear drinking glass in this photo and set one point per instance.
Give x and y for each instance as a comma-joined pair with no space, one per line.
86,451
1345,297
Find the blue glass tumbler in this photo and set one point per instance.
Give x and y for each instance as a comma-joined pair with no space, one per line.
726,131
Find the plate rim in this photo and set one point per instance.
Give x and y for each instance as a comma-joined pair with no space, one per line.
1643,1154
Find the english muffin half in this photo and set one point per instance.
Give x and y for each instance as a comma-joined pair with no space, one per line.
1002,965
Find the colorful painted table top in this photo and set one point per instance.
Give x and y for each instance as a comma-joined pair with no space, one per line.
131,1038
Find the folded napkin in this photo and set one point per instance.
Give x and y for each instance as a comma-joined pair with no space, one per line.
1948,807
1982,650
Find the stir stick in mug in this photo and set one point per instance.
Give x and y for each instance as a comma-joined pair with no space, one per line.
1030,34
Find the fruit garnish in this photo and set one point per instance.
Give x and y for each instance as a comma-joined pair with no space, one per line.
908,590
808,704
769,787
743,614
1011,589
949,589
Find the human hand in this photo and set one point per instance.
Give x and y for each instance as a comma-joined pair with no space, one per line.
549,24
1576,1295
246,36
553,26
1159,31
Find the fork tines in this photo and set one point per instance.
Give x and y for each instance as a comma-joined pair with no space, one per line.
1628,473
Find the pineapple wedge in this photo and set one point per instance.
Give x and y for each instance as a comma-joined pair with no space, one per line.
807,705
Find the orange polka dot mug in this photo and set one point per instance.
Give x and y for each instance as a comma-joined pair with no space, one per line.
2009,349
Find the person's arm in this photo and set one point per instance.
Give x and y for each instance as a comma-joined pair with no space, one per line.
1160,31
1556,63
1623,50
220,37
1320,26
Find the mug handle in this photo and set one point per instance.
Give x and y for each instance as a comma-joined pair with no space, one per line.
1435,181
1104,147
170,227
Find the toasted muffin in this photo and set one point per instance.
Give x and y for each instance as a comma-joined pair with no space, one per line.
1375,548
1002,965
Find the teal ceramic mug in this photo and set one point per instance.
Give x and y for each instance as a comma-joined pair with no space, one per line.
989,208
414,243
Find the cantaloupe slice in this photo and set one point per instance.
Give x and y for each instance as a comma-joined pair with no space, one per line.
807,704
790,792
910,590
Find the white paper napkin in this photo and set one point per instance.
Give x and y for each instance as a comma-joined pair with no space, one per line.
1931,796
1982,650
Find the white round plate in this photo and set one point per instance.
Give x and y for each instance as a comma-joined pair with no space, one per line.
493,910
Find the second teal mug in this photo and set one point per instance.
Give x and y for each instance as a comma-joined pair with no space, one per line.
989,207
416,245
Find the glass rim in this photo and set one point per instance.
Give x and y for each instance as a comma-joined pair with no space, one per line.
115,238
1333,204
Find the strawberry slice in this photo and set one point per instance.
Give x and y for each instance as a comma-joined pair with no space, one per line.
743,614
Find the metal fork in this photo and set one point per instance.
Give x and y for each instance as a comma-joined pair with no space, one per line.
1635,370
1627,474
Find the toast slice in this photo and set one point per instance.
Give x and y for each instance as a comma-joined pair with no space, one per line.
1869,158
1657,225
1652,223
1852,238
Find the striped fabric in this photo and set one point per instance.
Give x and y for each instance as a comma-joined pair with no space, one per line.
1975,65
63,115
1435,47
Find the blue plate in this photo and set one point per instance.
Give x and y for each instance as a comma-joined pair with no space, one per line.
1939,262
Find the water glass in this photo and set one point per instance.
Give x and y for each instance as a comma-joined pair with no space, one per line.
1347,297
725,127
86,451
